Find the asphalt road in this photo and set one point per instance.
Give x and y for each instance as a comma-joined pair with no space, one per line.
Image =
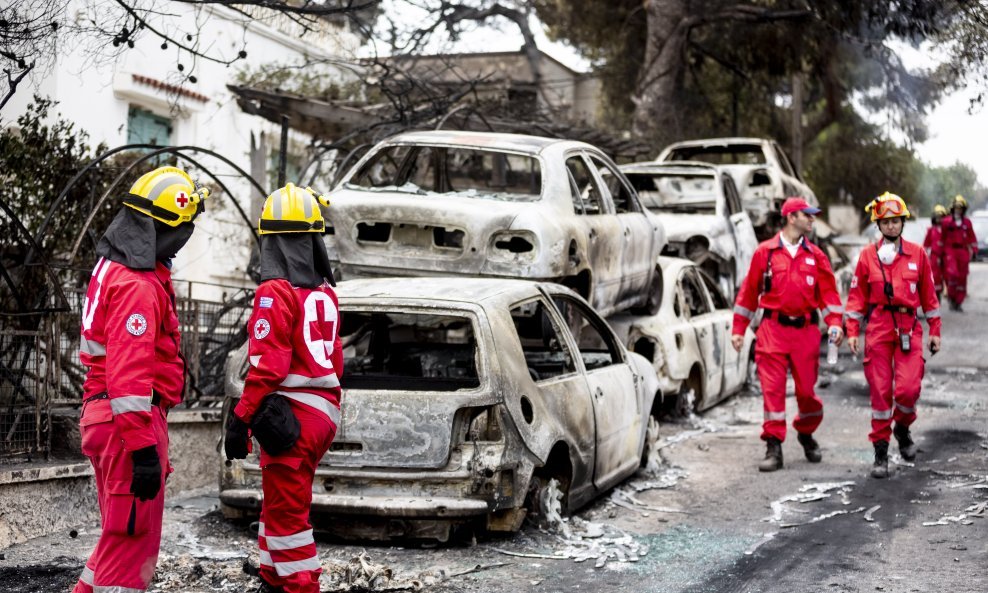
705,522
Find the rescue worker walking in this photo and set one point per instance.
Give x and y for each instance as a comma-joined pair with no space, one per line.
291,394
892,280
960,247
135,373
791,279
933,242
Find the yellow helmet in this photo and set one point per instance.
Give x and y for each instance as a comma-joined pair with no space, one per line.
887,206
292,209
959,201
167,194
939,210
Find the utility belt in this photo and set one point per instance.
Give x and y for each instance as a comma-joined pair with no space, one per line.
797,321
897,309
958,245
155,398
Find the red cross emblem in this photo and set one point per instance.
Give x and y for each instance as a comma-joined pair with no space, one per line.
136,324
182,199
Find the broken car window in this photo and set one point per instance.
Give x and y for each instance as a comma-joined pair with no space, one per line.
714,291
586,194
546,352
452,171
624,200
696,302
724,154
597,347
694,194
408,351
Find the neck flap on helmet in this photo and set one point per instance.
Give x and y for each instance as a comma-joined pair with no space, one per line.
138,241
300,258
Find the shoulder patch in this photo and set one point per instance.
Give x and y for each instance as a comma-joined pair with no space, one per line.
265,302
137,324
854,281
262,327
912,266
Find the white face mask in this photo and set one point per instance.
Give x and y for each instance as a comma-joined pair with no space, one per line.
886,253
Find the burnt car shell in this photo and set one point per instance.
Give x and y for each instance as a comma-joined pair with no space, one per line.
416,455
531,232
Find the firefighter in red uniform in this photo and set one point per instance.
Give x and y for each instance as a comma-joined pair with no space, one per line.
960,247
893,279
130,345
791,279
291,397
933,242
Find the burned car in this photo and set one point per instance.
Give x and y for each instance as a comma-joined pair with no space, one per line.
701,210
761,169
689,341
505,205
467,402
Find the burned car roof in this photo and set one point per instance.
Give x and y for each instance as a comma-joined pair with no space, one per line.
458,290
671,167
488,140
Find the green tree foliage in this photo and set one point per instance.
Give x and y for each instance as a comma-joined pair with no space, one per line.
38,157
941,184
732,69
853,161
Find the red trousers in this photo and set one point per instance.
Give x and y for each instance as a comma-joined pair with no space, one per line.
936,265
121,561
288,550
779,349
955,270
894,377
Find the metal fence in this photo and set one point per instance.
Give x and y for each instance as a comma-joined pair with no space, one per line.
40,370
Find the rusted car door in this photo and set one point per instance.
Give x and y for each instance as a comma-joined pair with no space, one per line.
637,236
616,406
708,335
604,238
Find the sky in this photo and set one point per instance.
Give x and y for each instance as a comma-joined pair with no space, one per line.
954,134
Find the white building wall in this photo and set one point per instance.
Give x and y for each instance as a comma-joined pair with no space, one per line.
97,96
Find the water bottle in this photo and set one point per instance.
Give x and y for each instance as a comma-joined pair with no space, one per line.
832,347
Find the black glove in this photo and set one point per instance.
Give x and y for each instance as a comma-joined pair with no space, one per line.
147,473
236,441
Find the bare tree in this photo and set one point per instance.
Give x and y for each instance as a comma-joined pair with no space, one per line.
32,31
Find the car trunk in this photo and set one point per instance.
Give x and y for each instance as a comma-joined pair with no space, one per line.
407,373
431,232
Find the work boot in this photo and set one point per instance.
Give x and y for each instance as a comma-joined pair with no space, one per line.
881,468
773,456
907,448
810,447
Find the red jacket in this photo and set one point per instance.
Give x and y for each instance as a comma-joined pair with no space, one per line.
912,286
800,285
130,342
958,235
294,348
934,240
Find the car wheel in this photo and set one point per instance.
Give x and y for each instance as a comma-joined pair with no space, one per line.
653,301
544,501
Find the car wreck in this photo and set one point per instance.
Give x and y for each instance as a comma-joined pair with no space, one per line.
467,402
504,205
760,168
688,342
701,210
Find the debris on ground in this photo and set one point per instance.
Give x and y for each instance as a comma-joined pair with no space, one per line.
765,539
360,574
809,493
583,540
819,518
868,514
